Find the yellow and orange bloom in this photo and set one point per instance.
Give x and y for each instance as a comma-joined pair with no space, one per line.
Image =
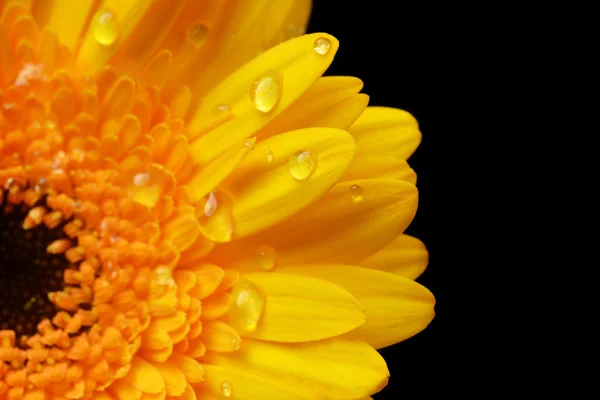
189,210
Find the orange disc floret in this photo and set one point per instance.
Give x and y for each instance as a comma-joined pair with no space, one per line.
91,166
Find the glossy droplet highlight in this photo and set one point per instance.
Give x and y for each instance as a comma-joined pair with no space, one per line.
356,193
222,108
141,179
105,28
302,165
226,389
197,35
266,258
322,45
266,91
245,306
211,205
269,155
215,217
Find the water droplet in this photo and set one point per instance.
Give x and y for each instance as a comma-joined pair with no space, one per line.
266,257
222,108
356,193
269,155
322,45
302,165
226,389
245,306
249,144
266,91
197,34
215,216
106,28
211,205
141,179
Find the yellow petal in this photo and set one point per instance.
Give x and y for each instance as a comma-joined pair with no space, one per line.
240,384
209,177
405,256
294,63
396,307
336,228
67,18
325,93
383,167
386,131
333,369
218,336
251,27
175,382
266,192
144,377
300,308
123,18
182,227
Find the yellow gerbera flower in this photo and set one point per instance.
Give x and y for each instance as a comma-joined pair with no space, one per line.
188,210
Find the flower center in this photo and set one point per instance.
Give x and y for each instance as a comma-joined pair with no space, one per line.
31,264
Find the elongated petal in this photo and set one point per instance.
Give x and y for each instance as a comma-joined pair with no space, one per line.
405,256
336,228
93,54
396,307
301,308
325,93
251,27
294,64
382,167
241,384
383,131
67,18
209,177
333,368
266,193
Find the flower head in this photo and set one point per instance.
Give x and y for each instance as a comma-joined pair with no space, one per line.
189,210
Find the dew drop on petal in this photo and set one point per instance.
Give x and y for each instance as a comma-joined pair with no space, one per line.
245,306
356,193
226,389
302,165
266,258
211,205
197,35
215,217
141,179
222,108
265,91
269,155
322,45
249,144
105,28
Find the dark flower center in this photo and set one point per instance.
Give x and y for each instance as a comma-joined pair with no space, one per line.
27,271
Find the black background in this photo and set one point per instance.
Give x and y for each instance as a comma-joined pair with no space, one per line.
383,43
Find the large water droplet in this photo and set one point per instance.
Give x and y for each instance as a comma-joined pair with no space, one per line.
215,217
197,34
266,91
105,28
211,205
141,179
356,193
269,155
226,389
266,258
302,165
245,306
322,45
